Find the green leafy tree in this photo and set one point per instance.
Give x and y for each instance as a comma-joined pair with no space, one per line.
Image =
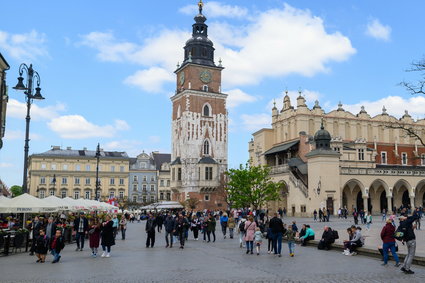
192,203
251,186
16,190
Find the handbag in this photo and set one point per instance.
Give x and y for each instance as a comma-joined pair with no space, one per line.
91,231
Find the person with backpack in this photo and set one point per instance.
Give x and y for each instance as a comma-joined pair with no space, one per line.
327,239
387,236
406,225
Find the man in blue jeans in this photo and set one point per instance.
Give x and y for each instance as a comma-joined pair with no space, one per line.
277,229
81,228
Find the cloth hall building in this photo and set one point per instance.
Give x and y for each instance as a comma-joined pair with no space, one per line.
340,159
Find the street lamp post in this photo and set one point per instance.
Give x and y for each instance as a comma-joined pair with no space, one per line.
29,96
97,171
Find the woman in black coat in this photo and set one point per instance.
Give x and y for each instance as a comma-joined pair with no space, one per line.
107,236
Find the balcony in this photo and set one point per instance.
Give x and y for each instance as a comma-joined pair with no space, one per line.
279,169
395,171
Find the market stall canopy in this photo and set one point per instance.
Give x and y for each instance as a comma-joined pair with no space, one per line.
27,204
76,205
163,205
60,203
4,199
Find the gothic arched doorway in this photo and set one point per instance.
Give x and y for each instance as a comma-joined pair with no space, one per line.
405,199
359,201
383,201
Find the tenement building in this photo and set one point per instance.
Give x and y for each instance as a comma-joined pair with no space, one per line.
4,66
340,159
199,122
70,172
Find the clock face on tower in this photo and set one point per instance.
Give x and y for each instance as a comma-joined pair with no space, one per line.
181,78
205,76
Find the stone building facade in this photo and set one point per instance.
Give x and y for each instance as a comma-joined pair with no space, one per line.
199,122
4,66
72,173
142,179
377,167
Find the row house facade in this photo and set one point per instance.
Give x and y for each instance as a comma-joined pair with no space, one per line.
4,66
377,166
72,173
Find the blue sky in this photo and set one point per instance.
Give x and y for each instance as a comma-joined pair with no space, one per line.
107,67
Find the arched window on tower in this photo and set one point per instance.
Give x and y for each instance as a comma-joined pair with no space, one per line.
206,148
206,111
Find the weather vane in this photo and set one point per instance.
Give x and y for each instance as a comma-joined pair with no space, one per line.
200,5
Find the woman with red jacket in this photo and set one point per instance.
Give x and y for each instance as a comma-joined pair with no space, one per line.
387,236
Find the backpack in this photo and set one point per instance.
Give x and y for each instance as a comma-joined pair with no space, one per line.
400,233
335,234
242,227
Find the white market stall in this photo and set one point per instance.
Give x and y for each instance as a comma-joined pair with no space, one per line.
60,203
27,204
163,205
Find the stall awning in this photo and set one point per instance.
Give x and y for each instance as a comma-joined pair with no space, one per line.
281,147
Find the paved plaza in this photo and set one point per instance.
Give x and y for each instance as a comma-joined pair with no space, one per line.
222,261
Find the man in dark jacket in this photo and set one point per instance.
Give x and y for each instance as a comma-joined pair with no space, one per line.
50,228
181,225
150,229
81,228
56,245
35,227
327,239
169,225
410,240
277,229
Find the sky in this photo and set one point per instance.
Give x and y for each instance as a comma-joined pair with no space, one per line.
106,67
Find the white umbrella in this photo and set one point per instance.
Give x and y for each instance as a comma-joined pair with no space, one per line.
62,205
74,204
4,200
27,204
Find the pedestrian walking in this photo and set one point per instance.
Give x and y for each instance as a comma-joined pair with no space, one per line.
181,225
123,227
35,227
277,230
406,224
249,229
315,215
211,225
195,226
159,222
56,246
41,246
231,225
169,225
368,220
290,236
150,230
258,238
81,227
223,222
320,215
387,236
94,237
241,231
115,225
384,215
107,236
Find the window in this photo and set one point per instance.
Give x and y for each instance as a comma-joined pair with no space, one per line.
422,159
121,181
122,168
303,208
112,168
77,181
112,181
337,149
206,197
53,166
87,195
152,178
63,194
173,174
87,167
42,194
76,195
152,188
208,173
161,196
144,178
64,181
43,180
361,153
168,196
87,181
134,198
134,187
78,167
205,88
52,192
65,166
144,188
179,174
206,111
152,198
168,183
134,178
206,147
43,166
404,158
121,194
144,198
383,157
111,194
161,183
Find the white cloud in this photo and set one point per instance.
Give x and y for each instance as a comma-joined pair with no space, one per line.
256,122
17,109
150,80
274,43
77,127
215,9
395,105
132,147
19,135
237,97
154,139
25,46
377,30
5,165
309,95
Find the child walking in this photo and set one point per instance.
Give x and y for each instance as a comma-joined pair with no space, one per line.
290,235
41,246
258,237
